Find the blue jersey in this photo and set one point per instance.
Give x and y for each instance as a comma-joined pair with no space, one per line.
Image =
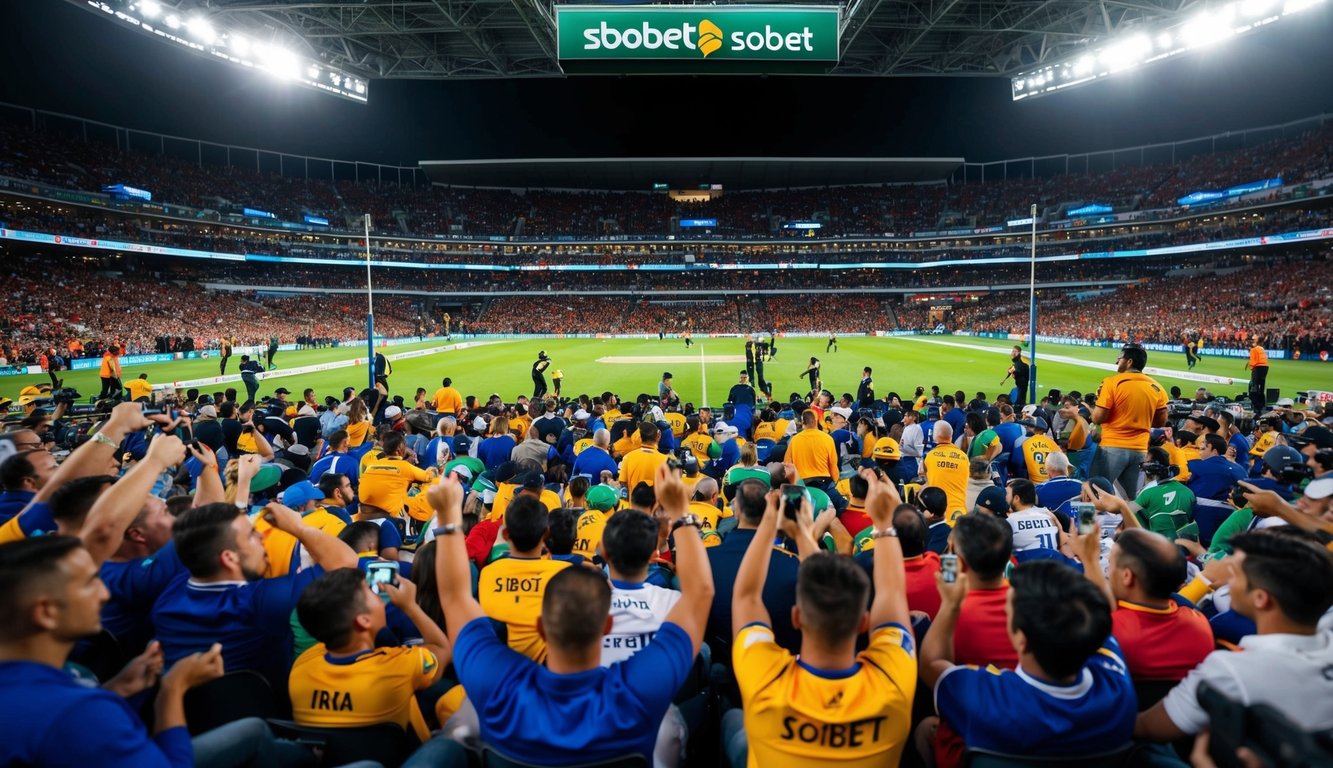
135,586
495,451
532,714
1214,477
342,463
592,461
1012,713
48,718
250,619
1009,433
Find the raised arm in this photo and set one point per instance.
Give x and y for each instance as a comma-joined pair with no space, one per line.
937,647
208,489
747,597
115,509
327,550
452,575
404,596
801,530
1269,504
95,455
890,605
696,578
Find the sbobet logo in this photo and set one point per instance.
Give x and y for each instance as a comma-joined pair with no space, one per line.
736,33
707,38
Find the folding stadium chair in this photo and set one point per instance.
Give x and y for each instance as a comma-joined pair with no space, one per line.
385,743
976,758
492,759
234,696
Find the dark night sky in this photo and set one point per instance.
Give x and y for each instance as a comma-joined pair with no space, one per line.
56,56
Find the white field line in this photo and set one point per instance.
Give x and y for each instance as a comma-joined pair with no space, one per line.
703,373
1150,370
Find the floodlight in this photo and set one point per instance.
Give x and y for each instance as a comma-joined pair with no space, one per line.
239,44
173,21
202,30
150,8
1124,52
313,71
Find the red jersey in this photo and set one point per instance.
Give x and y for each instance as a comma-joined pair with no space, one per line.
1161,643
922,593
981,636
855,520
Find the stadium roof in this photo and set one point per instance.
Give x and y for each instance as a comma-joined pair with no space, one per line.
439,39
641,173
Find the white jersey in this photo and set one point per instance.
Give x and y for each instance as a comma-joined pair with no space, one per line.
1034,528
637,612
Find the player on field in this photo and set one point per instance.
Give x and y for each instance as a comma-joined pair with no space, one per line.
539,367
812,371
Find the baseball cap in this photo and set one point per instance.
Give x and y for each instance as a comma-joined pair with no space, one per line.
1320,437
1029,409
1319,489
479,424
886,448
1156,436
723,428
666,374
393,412
207,412
1036,423
300,494
297,450
992,500
846,413
582,415
602,498
530,481
305,410
1285,402
933,500
282,391
1208,422
1279,457
267,477
1104,485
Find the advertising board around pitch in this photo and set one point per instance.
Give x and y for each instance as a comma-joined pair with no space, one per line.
697,39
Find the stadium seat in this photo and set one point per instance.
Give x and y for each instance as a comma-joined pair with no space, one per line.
386,743
980,759
233,696
492,759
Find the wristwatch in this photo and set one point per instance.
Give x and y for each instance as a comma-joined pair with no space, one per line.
689,519
448,529
889,532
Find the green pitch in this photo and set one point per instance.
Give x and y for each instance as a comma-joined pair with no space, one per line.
629,367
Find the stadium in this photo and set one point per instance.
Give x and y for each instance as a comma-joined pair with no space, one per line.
366,366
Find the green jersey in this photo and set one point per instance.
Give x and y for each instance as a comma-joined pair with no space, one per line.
1166,507
981,442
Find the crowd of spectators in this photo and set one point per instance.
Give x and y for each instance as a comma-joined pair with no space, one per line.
425,209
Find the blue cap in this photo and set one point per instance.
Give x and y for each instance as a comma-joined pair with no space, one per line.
300,494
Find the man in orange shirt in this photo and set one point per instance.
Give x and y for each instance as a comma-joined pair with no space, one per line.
1258,366
640,464
447,399
110,373
815,457
1129,405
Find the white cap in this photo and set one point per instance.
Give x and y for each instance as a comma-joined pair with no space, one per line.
306,410
1029,409
846,413
723,429
479,424
1285,402
582,415
207,412
393,412
1320,488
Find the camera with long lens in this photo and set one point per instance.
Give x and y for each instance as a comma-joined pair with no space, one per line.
65,396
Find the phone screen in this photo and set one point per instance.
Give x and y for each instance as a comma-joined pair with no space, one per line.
378,574
792,496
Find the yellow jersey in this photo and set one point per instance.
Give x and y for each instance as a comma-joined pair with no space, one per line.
139,388
768,430
794,715
709,516
677,422
1265,441
375,686
282,546
505,492
946,469
1036,450
385,480
640,466
357,433
1132,399
814,454
588,533
702,446
519,426
626,444
447,400
510,590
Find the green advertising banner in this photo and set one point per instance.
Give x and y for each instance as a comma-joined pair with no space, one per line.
695,38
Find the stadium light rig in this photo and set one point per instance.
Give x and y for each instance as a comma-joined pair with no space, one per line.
199,33
1132,49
